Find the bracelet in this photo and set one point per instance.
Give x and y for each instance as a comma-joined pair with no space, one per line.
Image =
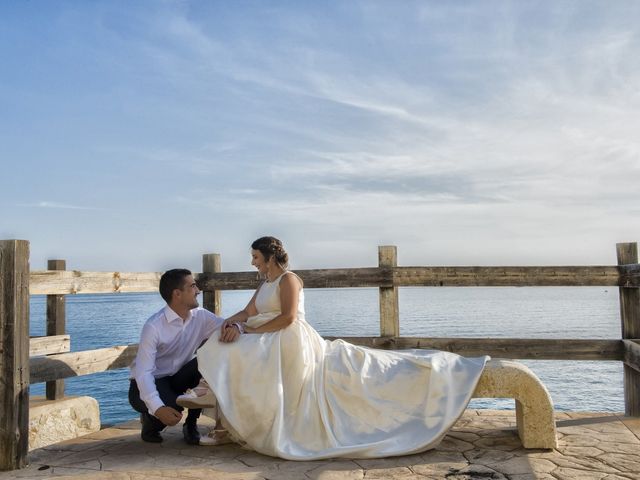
240,329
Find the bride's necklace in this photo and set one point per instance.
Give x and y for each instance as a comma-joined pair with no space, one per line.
272,277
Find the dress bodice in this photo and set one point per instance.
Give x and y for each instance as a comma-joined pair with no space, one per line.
268,303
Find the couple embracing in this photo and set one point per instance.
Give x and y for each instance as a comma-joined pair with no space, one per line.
280,388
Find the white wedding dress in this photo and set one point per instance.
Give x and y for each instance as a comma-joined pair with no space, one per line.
294,395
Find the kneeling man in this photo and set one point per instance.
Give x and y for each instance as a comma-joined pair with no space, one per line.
166,365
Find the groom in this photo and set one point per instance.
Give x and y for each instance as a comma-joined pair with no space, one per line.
166,365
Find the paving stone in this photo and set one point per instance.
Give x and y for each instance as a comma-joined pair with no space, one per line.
337,470
632,423
454,445
585,463
592,446
532,476
506,443
619,447
622,462
542,466
513,466
390,473
561,415
474,472
253,459
437,463
578,441
466,436
581,451
573,474
485,457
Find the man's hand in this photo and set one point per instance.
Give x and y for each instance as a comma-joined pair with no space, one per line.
229,332
167,415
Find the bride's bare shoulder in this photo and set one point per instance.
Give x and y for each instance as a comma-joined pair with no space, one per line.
293,278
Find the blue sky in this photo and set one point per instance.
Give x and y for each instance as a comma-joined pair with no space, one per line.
139,135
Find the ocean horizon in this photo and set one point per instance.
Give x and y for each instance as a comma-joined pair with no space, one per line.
97,321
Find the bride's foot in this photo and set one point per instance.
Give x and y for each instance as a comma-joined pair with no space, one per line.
198,397
202,388
216,437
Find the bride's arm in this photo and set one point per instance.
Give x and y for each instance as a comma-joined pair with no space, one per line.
234,325
249,311
289,293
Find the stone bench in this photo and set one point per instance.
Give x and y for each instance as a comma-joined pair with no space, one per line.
534,407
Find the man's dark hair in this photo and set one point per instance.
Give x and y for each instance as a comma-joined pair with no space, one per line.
172,280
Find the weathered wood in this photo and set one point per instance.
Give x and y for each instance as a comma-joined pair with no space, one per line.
51,282
75,364
71,282
49,345
318,278
14,354
514,348
629,275
56,325
627,254
506,276
212,299
632,354
389,310
430,277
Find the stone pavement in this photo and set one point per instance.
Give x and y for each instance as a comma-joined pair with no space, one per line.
482,445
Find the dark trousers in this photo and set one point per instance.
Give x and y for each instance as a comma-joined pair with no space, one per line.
169,388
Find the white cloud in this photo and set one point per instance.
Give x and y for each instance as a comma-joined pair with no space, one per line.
56,205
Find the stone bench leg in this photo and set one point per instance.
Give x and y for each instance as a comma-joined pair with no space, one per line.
534,408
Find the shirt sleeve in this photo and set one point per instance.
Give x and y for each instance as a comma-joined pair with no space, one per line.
145,366
212,322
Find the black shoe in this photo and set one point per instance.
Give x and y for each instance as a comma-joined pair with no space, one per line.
149,433
191,433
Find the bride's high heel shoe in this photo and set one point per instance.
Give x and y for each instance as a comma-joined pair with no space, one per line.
198,397
216,437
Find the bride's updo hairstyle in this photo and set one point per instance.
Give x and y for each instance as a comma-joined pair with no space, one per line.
272,247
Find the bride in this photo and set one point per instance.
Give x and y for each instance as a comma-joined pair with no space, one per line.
282,390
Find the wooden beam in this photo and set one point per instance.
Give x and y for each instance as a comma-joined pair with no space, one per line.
51,282
506,276
212,299
14,354
319,278
429,277
514,348
632,354
71,282
389,310
56,325
49,345
629,275
627,254
75,364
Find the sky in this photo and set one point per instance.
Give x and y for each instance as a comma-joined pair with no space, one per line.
139,135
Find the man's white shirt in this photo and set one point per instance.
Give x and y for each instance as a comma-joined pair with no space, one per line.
166,344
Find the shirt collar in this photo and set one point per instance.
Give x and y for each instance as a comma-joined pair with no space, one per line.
172,316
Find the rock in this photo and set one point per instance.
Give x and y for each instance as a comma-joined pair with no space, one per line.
52,421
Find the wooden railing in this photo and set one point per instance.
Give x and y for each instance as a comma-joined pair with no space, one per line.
52,362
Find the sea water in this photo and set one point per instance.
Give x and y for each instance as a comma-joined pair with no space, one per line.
97,321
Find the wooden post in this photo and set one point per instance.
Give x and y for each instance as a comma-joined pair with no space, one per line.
630,315
212,300
14,354
389,312
56,326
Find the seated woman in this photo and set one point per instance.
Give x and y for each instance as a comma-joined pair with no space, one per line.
284,391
